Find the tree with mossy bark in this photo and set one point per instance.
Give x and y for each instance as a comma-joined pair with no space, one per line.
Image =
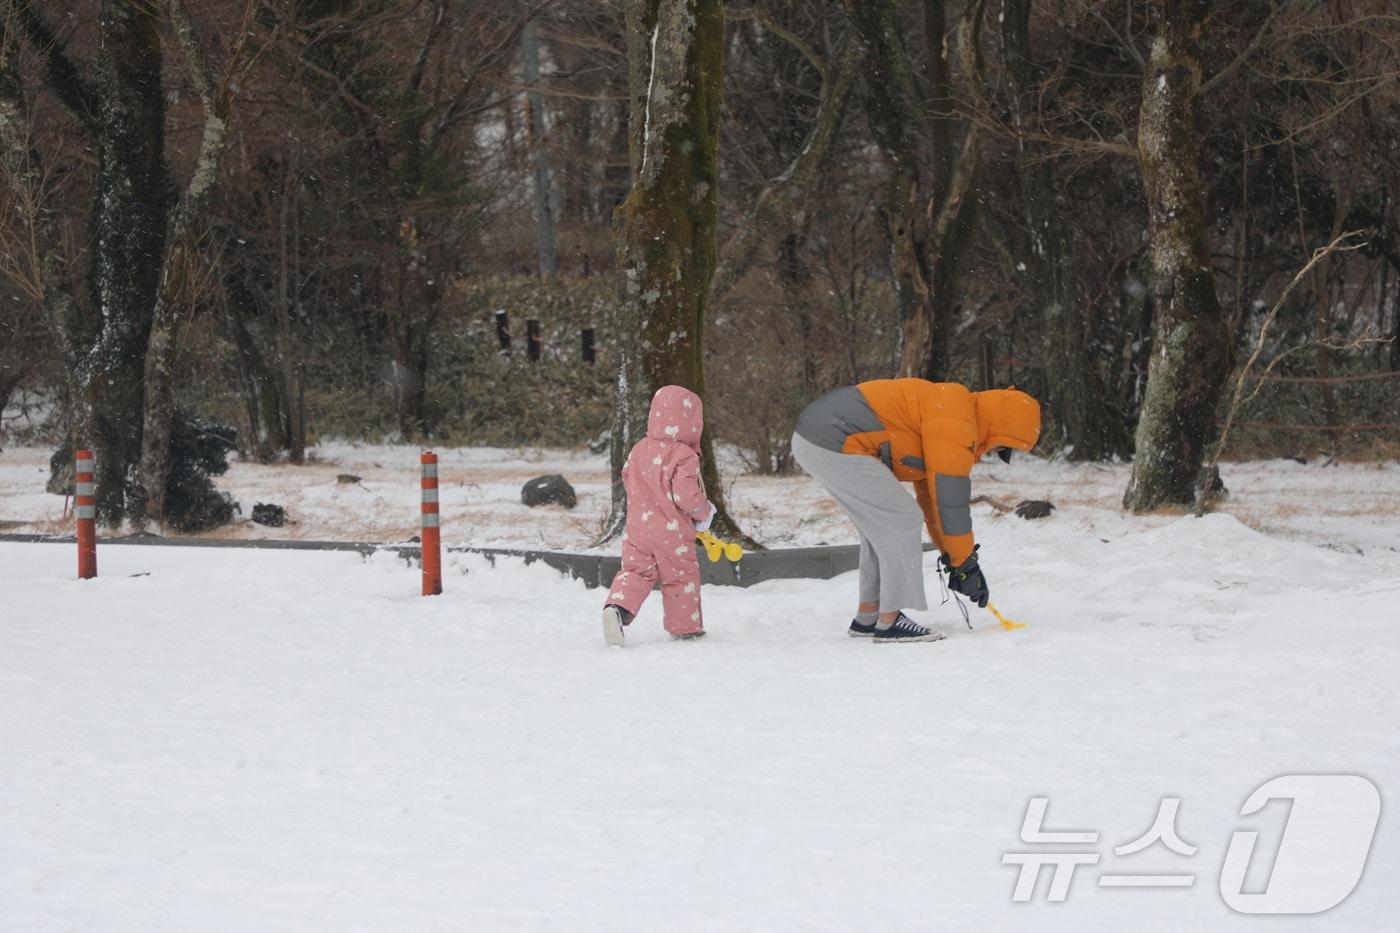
120,345
665,229
1191,346
121,107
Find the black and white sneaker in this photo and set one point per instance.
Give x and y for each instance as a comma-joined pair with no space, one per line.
614,618
860,630
689,636
905,629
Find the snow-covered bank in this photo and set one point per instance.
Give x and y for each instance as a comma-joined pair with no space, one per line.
1344,506
248,740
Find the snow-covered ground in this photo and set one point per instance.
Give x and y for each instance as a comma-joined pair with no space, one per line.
1345,506
249,740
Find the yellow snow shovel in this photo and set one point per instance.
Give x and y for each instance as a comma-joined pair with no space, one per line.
715,548
1006,623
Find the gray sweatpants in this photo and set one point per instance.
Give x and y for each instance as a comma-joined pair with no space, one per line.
888,519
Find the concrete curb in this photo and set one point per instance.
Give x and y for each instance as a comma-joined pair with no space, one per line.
595,570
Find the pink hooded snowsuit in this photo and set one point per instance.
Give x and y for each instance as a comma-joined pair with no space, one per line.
664,501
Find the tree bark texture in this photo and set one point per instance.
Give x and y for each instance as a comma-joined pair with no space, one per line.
131,204
268,411
1191,349
414,292
288,286
930,205
539,154
665,229
177,290
122,109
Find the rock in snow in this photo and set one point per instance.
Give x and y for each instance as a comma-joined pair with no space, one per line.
547,490
1034,508
273,516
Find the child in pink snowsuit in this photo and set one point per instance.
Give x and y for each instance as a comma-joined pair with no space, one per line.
666,505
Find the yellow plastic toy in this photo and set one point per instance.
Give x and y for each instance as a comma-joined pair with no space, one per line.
715,548
1006,623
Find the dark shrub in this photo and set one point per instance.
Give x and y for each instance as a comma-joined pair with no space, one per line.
198,451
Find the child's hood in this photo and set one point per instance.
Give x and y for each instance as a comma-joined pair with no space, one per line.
676,415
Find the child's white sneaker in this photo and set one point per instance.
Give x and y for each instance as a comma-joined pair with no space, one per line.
612,626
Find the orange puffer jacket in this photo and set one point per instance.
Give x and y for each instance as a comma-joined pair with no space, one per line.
930,434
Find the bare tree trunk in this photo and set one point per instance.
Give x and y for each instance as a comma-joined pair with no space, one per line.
1084,413
1191,347
295,365
1395,335
783,195
24,175
665,229
539,154
412,306
288,353
122,110
410,383
1382,292
266,436
795,279
1386,246
131,208
177,291
1321,274
631,394
930,208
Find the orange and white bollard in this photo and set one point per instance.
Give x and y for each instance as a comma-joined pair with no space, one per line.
432,531
85,510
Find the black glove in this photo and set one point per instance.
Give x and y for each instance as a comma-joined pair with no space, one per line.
967,578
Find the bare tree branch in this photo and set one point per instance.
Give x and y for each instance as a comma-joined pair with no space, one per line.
33,258
79,96
1340,244
179,268
762,17
1124,42
796,179
1219,77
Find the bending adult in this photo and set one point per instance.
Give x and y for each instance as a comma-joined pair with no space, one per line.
862,441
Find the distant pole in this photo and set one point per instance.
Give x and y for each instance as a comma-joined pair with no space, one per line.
532,338
432,531
588,353
539,155
503,331
85,509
